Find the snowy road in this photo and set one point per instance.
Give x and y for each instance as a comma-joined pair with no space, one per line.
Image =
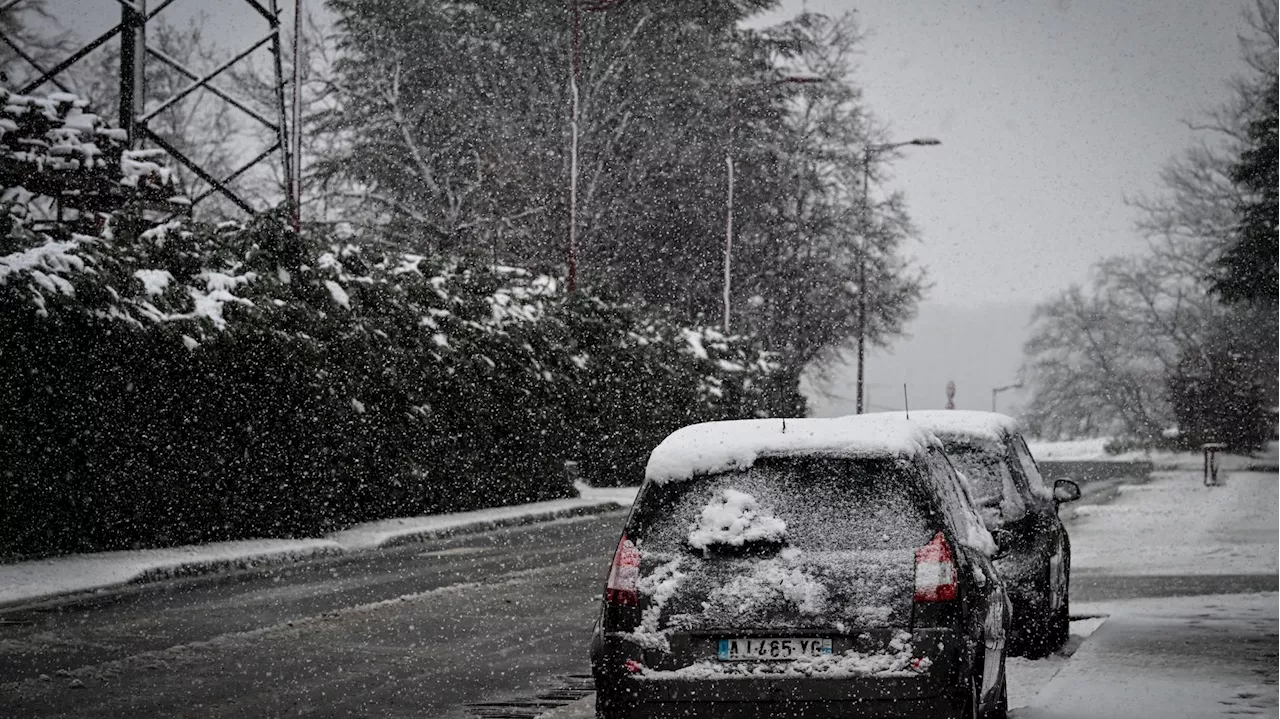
418,631
432,629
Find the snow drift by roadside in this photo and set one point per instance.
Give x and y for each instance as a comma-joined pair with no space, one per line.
1176,525
25,582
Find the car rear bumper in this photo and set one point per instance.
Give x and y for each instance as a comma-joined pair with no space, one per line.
934,708
770,690
934,692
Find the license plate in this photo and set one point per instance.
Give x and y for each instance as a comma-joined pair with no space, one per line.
771,649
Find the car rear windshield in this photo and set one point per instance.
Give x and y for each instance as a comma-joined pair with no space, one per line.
811,504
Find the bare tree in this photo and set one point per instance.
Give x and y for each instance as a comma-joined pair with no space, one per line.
32,43
1101,357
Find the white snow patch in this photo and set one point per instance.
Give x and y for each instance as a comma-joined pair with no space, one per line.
189,342
625,496
1198,530
714,447
659,586
1087,450
694,340
82,572
962,424
339,295
771,579
1170,657
977,537
53,256
154,282
734,518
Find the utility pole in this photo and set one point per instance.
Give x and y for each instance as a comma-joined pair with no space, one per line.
133,55
867,153
728,161
728,242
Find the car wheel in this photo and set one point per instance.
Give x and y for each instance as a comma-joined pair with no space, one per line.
1046,632
1061,629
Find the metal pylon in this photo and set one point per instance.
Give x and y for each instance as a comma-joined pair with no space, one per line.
135,53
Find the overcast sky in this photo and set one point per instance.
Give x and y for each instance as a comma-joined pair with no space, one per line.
1050,114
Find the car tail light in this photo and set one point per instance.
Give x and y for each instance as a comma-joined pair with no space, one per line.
622,588
935,571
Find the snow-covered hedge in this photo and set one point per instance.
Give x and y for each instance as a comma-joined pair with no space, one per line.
60,161
193,383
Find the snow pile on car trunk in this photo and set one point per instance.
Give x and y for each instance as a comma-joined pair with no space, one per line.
733,519
713,447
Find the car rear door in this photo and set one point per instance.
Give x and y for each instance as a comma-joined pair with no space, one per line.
1050,537
791,549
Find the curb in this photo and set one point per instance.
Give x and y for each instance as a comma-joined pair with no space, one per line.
226,566
486,525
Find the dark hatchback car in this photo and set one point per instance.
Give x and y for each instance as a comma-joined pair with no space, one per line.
1034,555
806,568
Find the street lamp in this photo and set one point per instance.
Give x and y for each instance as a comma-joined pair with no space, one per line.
728,161
867,153
576,8
997,390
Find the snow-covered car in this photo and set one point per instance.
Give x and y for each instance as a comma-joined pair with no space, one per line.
802,567
1034,556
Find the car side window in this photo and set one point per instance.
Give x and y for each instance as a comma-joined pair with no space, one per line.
963,513
1012,506
1029,470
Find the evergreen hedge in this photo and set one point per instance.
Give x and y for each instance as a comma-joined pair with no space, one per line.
277,385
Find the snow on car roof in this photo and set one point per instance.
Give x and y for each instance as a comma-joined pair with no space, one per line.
962,424
714,447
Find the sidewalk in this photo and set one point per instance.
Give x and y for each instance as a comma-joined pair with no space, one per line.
26,582
1173,524
1185,657
1192,657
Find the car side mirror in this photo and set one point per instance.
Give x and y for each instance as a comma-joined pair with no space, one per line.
1064,490
1004,542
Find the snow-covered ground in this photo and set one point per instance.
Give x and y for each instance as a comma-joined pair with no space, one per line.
1094,450
1170,658
1176,525
30,581
1091,450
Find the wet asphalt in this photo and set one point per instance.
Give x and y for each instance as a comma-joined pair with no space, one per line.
437,629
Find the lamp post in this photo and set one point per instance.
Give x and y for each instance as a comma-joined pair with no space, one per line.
867,153
997,390
728,161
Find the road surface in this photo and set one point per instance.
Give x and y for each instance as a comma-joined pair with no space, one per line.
416,631
478,625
